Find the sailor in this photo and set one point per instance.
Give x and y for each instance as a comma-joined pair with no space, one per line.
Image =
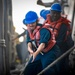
47,50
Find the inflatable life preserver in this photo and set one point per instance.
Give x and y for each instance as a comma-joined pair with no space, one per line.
36,35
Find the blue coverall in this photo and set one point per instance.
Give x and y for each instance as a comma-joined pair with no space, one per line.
47,58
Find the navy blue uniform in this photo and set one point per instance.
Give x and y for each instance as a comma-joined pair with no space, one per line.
45,59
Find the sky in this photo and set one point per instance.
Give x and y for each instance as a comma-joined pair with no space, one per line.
19,10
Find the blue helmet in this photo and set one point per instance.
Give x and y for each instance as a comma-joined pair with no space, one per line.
30,17
56,7
41,12
44,13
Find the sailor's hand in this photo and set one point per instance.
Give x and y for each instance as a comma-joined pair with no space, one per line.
34,56
31,52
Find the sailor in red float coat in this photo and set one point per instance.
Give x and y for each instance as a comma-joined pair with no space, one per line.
46,45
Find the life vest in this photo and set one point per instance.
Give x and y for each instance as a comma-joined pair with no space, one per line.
57,24
36,36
